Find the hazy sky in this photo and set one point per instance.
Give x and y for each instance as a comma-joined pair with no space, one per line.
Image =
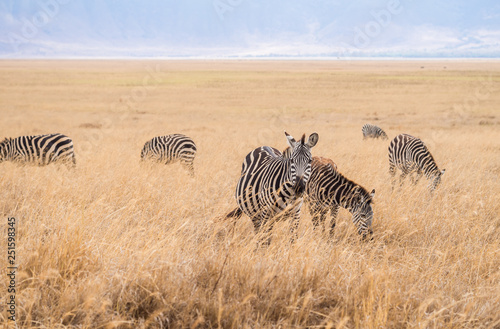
222,28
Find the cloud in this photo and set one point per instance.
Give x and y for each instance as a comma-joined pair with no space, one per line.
250,28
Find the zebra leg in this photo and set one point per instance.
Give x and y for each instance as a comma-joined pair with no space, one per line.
404,173
333,211
189,167
263,225
257,224
318,215
294,225
392,172
419,175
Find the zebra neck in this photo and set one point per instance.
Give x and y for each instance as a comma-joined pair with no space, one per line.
343,191
430,168
348,201
287,177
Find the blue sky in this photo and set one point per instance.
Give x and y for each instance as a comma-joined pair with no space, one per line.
249,28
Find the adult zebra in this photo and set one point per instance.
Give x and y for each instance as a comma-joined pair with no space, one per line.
272,182
328,189
171,148
40,149
410,155
372,131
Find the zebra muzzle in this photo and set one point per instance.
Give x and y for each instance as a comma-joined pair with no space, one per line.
300,186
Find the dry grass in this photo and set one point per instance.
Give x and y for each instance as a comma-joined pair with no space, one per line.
117,244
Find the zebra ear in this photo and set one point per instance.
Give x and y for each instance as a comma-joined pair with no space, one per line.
291,140
313,139
372,194
442,171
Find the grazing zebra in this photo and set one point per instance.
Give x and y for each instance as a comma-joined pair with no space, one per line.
410,155
272,182
170,148
371,131
327,190
40,150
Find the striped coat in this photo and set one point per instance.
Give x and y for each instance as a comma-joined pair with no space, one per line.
169,149
410,155
328,189
39,150
372,131
273,183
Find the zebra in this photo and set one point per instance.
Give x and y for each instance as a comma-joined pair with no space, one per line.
272,183
371,131
40,149
328,189
170,148
410,155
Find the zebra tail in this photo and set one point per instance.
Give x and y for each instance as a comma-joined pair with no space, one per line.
235,213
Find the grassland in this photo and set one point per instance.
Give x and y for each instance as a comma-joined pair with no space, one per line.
117,244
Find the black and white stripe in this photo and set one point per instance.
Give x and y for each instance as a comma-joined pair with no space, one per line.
410,155
328,189
372,131
272,182
171,148
40,150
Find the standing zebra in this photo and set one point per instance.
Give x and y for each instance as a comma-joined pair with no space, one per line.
328,189
271,182
170,148
40,150
410,155
371,131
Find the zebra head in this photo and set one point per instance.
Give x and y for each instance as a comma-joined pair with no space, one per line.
437,179
362,212
300,160
4,149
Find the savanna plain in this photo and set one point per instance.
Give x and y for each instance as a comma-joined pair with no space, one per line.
115,243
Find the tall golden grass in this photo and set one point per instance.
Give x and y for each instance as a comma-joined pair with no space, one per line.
115,243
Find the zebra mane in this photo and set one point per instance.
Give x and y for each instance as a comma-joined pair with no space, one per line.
357,190
5,141
363,192
329,168
287,153
431,165
324,162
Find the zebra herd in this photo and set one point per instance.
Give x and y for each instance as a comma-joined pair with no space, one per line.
272,184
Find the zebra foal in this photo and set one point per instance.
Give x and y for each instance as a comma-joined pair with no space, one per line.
272,182
171,148
410,155
39,150
328,189
372,131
